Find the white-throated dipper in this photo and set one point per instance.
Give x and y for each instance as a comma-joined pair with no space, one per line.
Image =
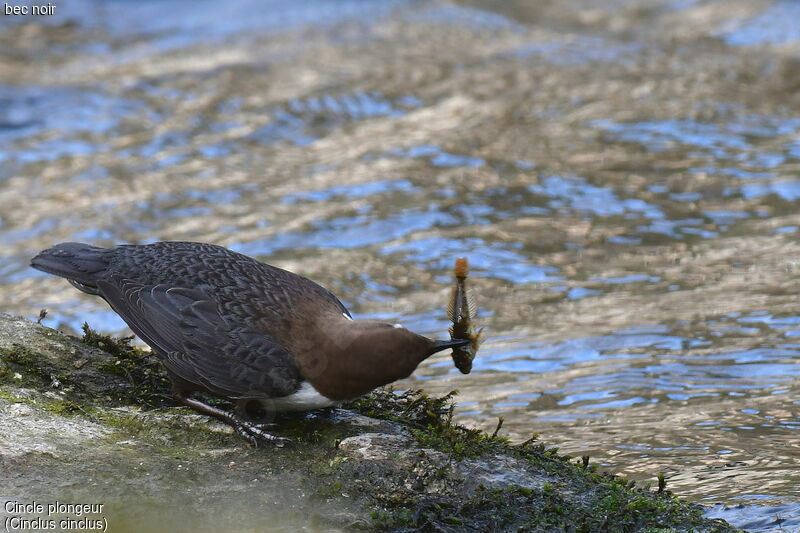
226,324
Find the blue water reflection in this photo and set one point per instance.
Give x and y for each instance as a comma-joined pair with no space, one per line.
303,121
776,25
498,260
370,156
578,195
437,156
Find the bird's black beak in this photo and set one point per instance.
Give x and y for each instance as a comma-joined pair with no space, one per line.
443,345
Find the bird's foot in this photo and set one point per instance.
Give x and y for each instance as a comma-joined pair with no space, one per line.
253,433
250,431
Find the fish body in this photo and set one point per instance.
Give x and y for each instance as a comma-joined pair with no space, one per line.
461,310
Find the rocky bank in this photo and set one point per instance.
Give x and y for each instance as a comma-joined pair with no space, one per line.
89,421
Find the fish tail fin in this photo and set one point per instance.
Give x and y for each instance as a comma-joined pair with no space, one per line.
461,269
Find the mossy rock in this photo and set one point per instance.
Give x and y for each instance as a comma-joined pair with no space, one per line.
92,417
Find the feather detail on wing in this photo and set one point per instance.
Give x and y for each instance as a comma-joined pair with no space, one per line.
186,328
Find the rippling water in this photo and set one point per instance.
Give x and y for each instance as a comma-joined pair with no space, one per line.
622,175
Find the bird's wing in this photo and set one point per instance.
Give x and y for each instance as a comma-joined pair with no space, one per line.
186,328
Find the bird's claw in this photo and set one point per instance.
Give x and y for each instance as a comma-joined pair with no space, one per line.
252,433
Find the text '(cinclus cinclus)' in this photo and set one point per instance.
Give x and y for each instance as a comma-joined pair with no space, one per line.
226,324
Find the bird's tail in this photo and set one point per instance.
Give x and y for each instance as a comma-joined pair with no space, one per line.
77,262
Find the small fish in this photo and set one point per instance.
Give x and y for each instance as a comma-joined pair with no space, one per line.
461,309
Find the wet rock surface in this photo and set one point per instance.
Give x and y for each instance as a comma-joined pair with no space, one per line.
73,428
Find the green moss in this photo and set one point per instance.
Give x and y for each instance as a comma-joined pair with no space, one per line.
19,355
143,371
11,398
120,347
430,421
172,435
129,424
56,406
386,519
19,359
607,502
64,408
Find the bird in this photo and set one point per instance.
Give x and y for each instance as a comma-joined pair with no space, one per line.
225,324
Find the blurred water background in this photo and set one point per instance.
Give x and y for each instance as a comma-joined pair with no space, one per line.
623,176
